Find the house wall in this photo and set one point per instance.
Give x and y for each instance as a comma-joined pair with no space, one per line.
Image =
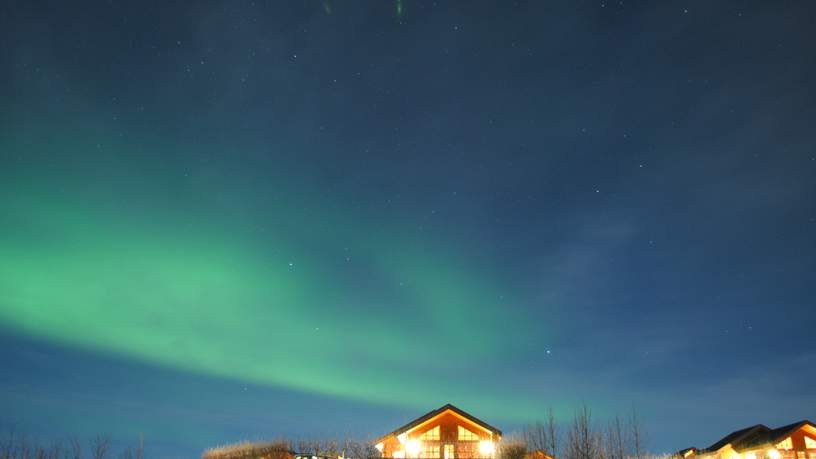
800,450
798,438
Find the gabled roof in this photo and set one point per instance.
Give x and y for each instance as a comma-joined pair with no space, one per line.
757,435
434,413
736,436
772,436
784,432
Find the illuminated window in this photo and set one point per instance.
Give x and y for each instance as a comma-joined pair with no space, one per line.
466,435
810,443
429,450
800,455
785,444
449,452
467,449
432,434
812,455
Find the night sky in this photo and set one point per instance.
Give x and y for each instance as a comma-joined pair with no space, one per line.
243,220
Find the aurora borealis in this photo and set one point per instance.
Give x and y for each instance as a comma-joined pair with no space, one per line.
230,220
213,295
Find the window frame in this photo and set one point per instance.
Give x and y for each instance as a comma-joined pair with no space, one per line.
467,433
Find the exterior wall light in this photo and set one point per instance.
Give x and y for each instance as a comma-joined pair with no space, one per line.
487,448
412,448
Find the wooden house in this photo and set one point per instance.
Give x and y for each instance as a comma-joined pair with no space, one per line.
793,441
444,433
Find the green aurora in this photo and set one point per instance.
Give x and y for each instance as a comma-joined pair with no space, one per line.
275,292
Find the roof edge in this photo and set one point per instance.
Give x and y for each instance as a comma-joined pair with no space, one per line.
434,413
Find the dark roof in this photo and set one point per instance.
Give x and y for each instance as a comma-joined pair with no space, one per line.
757,435
772,436
783,432
736,436
438,411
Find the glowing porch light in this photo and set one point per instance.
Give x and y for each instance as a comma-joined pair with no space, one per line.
413,447
487,448
774,454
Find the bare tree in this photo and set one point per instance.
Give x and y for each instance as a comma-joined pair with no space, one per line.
543,436
55,452
7,448
100,446
637,435
76,448
24,450
582,441
355,449
552,434
616,444
535,436
304,447
512,448
19,447
330,448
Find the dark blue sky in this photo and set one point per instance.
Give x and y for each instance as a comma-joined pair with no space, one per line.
235,220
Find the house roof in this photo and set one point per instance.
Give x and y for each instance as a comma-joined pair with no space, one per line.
771,436
736,436
437,412
757,435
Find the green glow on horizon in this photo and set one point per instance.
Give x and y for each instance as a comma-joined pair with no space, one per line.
177,283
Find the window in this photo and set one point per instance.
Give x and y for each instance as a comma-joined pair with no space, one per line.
812,455
449,452
466,435
432,434
467,450
429,450
785,444
810,443
800,455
